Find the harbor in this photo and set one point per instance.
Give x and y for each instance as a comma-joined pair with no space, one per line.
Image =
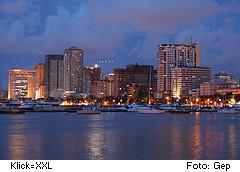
16,107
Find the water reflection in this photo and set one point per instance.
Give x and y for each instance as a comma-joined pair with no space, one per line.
16,141
177,143
232,141
96,145
118,136
22,142
196,146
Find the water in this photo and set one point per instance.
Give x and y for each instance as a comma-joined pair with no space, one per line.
119,136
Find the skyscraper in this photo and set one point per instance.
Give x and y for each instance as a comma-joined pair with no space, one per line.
92,74
73,70
40,87
170,56
54,70
21,84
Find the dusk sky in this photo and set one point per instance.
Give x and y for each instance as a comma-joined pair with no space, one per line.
126,31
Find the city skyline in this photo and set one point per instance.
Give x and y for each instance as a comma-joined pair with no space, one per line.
32,29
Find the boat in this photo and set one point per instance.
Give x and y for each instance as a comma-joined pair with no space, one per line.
132,108
228,111
167,107
150,111
48,107
179,110
88,112
28,106
116,108
207,109
11,111
10,108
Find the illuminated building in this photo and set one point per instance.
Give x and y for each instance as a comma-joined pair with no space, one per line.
21,84
221,81
235,91
40,75
225,77
207,89
170,56
91,76
185,79
73,70
53,75
133,74
104,88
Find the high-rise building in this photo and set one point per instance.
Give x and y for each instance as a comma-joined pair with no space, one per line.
185,79
21,84
91,76
124,78
40,76
170,56
103,88
54,79
73,70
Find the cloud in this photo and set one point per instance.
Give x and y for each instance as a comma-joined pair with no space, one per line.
60,31
14,7
123,29
158,15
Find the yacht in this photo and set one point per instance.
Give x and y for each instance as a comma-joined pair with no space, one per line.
88,112
180,110
207,109
228,111
48,107
150,110
133,107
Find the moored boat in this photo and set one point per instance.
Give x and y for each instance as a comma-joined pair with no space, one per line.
150,111
207,109
88,112
179,111
11,111
228,111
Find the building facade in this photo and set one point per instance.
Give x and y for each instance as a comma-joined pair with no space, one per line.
91,76
54,78
40,80
185,79
207,89
73,70
21,84
170,56
104,87
221,81
132,75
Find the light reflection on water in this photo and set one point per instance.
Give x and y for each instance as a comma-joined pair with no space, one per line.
119,136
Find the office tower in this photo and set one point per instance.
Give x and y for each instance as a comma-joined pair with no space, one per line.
54,70
73,70
21,84
91,75
170,56
40,75
133,75
185,79
104,87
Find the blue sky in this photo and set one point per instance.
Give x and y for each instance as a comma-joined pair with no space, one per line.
124,31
